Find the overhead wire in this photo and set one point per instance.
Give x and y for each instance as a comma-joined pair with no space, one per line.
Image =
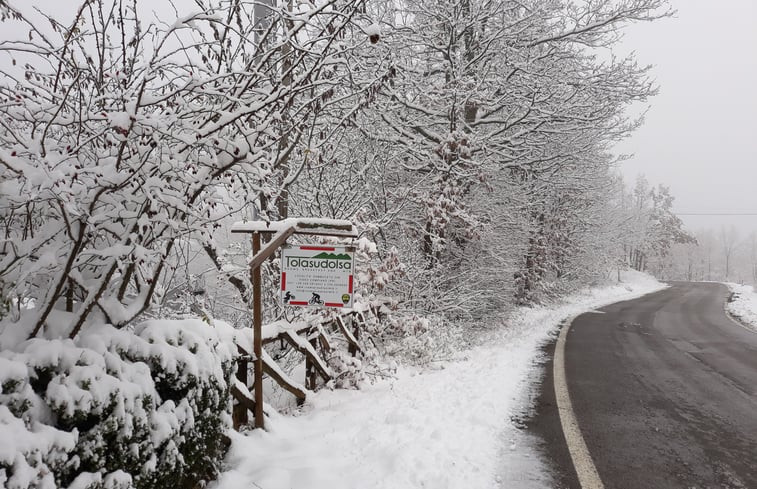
715,213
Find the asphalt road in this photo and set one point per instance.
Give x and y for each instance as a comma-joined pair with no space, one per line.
664,389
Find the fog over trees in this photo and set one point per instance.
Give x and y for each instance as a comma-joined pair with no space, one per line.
658,242
721,253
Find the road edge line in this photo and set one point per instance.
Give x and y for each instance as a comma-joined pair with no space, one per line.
588,477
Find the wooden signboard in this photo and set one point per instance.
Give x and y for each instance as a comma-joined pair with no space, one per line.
317,275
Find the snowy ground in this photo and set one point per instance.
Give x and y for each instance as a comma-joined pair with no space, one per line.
444,428
743,304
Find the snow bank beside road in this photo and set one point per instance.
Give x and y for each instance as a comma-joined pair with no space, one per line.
447,428
743,305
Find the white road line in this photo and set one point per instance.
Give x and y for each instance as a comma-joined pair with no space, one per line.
579,453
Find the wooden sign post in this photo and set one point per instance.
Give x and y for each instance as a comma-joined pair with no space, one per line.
281,231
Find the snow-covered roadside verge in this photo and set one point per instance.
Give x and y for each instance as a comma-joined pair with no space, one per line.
447,428
743,305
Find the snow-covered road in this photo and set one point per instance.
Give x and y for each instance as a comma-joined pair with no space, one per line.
444,428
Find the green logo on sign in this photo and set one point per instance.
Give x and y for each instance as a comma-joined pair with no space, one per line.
327,261
345,298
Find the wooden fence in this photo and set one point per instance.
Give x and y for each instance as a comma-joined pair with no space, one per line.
313,338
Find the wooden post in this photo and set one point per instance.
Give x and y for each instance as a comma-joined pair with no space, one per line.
257,319
352,349
311,375
239,416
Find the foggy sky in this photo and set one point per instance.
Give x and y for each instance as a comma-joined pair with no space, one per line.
700,135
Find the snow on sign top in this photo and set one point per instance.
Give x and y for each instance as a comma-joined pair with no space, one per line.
318,226
318,276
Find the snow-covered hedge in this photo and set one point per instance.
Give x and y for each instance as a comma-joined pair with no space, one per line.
146,408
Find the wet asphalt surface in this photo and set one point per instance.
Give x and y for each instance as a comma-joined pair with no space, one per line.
665,392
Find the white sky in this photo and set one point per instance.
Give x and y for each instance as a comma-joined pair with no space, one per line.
700,136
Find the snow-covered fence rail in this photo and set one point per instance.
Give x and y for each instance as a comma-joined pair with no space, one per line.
313,338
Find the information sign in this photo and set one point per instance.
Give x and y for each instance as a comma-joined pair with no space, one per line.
318,276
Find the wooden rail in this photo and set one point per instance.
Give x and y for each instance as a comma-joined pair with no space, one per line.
306,337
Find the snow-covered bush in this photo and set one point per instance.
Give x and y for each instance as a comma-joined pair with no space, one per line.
393,330
113,408
349,370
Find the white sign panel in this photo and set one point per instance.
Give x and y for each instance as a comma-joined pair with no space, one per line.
319,276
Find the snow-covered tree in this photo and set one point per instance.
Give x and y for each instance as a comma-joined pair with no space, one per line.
123,136
652,228
666,229
728,238
483,93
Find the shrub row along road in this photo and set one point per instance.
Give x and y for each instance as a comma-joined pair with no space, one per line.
664,391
